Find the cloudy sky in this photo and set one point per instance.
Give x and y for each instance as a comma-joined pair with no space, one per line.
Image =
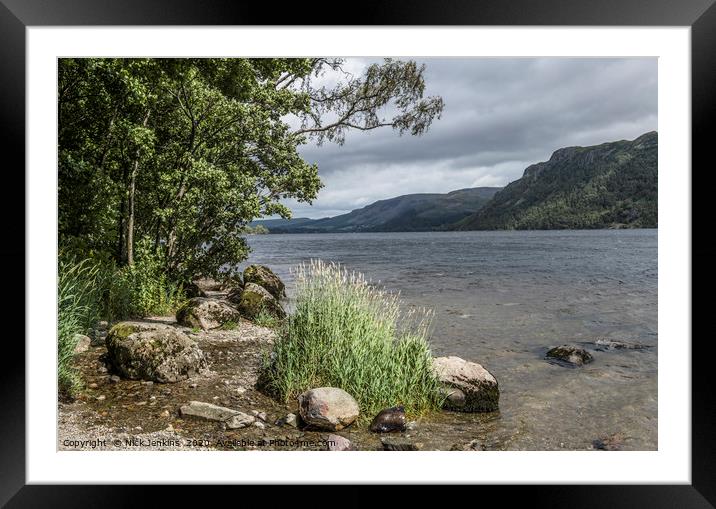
500,116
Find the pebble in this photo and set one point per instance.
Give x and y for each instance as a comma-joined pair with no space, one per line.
102,369
164,414
259,424
141,403
93,385
193,386
114,379
241,390
101,397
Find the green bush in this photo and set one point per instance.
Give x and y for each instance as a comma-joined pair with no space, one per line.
79,308
142,289
347,333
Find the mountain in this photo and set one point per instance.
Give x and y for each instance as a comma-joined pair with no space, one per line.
410,212
612,185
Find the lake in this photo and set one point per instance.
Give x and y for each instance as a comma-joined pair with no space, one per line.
503,298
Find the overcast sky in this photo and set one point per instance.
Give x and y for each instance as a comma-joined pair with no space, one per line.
500,116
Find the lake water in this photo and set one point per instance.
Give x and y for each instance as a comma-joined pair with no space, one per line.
502,299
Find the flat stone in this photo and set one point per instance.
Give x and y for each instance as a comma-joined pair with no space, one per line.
232,418
398,444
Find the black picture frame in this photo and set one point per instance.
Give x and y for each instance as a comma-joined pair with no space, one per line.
700,15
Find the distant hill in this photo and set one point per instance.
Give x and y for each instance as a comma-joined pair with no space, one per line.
612,185
410,212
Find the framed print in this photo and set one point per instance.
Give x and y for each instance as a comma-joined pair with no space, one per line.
463,235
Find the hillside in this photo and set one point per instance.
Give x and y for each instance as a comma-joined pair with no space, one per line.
410,212
612,185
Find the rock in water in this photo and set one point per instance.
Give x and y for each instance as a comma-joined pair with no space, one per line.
571,355
232,418
339,443
389,419
263,276
255,299
327,408
606,344
161,354
206,313
469,386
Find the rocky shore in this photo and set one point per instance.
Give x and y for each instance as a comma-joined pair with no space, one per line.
191,382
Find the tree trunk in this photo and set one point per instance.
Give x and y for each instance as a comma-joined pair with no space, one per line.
130,201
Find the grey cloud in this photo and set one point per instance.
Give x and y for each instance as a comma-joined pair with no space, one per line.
501,115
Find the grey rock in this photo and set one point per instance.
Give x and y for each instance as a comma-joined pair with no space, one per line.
161,354
206,313
255,299
233,419
327,408
607,344
265,277
468,386
572,355
399,444
114,379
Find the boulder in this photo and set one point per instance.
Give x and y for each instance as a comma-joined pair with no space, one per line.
572,355
205,313
160,354
233,419
263,276
255,299
389,419
327,408
82,343
468,386
338,443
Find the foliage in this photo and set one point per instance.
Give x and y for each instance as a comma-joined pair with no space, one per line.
266,319
604,186
230,325
258,229
186,152
78,309
349,334
142,289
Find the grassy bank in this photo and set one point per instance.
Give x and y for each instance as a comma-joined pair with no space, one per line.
347,333
90,290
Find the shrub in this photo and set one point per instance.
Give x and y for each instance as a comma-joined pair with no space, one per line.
79,307
142,289
349,334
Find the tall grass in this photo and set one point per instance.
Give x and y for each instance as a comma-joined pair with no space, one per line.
140,290
79,307
90,290
347,333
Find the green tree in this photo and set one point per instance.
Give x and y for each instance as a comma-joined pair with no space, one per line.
186,152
